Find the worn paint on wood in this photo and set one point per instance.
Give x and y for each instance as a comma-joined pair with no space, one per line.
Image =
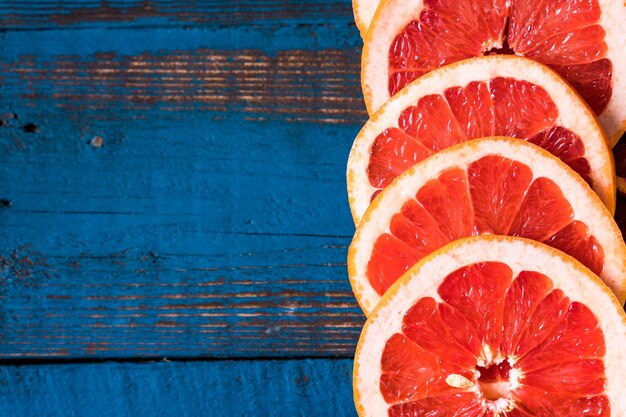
176,239
293,85
41,13
312,388
177,192
290,74
267,302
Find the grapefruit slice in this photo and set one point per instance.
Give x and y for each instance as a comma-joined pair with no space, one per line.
581,40
493,326
498,186
486,96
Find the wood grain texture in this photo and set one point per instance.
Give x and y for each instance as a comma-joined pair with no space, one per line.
177,191
176,241
294,85
296,75
134,304
312,388
79,13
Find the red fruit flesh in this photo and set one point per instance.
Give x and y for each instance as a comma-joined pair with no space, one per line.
544,211
392,153
575,240
522,109
390,259
415,226
424,325
495,195
540,353
497,186
565,145
433,123
439,195
501,106
563,34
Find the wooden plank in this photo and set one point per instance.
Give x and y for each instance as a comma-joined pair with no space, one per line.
262,388
140,13
280,300
296,75
144,217
177,241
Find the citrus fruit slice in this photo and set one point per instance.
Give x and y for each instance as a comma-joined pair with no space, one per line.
486,96
581,40
493,326
498,186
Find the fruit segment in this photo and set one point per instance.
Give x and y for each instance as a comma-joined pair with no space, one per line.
465,404
390,259
473,109
519,346
432,121
478,292
425,326
593,81
393,152
497,186
493,195
522,299
544,211
449,191
575,239
417,228
566,146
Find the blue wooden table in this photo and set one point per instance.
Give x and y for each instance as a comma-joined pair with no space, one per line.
173,215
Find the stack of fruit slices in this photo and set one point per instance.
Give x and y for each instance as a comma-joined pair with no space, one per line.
486,256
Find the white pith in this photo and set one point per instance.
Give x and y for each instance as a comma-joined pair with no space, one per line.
393,15
574,115
578,283
613,20
363,13
585,205
505,402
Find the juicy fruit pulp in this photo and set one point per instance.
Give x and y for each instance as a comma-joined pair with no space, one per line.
562,34
500,107
496,343
494,195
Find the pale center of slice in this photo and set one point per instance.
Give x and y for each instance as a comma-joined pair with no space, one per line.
496,381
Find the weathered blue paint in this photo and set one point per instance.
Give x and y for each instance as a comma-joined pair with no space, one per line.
147,217
311,388
116,251
41,14
144,216
270,39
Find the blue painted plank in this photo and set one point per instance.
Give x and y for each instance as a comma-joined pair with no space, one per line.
261,388
287,299
271,39
178,242
138,76
168,194
19,14
238,177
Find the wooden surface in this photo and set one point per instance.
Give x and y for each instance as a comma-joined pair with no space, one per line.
172,186
307,388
